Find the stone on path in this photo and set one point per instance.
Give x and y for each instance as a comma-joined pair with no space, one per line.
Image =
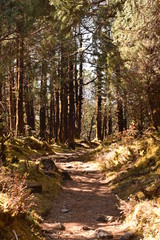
64,210
85,228
128,236
102,219
106,219
66,177
101,234
60,226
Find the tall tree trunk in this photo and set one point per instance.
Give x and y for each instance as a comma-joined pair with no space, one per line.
20,130
11,101
2,145
110,121
104,125
64,98
80,98
29,106
76,90
57,117
125,115
99,105
120,115
91,128
29,99
71,107
52,112
43,95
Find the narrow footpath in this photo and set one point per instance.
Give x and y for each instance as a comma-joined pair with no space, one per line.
85,208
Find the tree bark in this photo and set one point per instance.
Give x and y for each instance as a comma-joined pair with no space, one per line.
43,95
76,92
80,98
20,130
29,99
52,112
64,97
57,117
99,105
71,107
104,125
11,102
110,122
120,115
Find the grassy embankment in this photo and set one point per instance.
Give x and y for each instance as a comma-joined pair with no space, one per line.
20,211
132,169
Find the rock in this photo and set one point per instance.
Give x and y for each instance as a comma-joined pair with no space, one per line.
60,226
48,165
35,187
101,234
85,228
64,210
69,167
110,219
102,219
127,236
66,177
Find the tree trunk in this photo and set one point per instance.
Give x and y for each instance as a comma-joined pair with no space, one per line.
2,145
64,98
11,102
76,92
91,128
52,112
71,107
104,125
80,98
57,117
125,115
20,75
120,115
29,99
43,95
110,122
99,105
29,106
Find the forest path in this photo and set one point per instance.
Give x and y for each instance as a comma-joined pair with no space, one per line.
81,202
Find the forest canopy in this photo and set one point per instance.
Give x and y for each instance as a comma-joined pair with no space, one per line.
72,69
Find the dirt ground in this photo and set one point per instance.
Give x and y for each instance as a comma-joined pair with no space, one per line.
85,203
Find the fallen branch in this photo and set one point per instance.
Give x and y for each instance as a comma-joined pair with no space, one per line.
15,234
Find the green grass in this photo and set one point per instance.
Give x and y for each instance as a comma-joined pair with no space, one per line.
23,156
126,162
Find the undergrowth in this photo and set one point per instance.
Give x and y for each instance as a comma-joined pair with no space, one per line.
132,169
22,211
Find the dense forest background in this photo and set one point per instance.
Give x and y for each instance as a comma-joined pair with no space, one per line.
78,68
79,96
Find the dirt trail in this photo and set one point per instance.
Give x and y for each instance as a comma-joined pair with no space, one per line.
81,202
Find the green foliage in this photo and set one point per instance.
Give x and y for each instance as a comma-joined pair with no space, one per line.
69,13
124,167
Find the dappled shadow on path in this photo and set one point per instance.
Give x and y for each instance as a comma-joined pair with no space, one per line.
86,198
